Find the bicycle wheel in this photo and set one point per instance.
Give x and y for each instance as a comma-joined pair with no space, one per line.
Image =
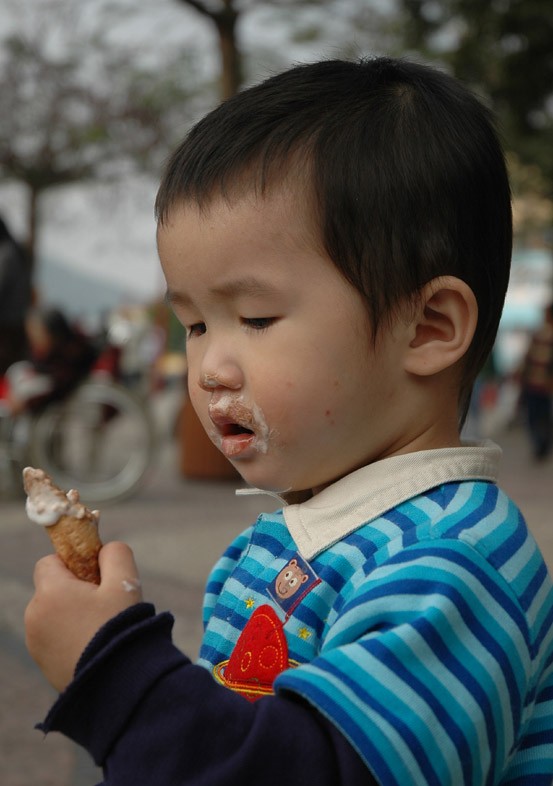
101,441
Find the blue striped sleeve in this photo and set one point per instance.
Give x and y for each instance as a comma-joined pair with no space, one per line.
426,669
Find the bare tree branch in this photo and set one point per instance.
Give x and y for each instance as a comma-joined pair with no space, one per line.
83,113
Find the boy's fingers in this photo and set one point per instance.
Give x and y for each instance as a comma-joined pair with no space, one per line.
118,568
48,567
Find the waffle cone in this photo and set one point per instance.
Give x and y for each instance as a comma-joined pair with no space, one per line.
71,526
77,543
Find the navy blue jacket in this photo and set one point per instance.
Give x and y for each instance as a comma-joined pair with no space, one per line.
149,717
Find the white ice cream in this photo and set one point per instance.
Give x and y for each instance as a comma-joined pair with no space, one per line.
45,507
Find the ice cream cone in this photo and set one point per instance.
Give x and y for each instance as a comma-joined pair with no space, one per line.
71,526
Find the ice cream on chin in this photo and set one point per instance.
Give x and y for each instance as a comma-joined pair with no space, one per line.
72,527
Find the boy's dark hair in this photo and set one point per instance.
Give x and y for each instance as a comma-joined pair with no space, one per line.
400,163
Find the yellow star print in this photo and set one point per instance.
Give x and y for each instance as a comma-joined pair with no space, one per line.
304,634
250,603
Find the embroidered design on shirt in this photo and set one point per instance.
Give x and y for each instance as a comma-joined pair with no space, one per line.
296,579
259,656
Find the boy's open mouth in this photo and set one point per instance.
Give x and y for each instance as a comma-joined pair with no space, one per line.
235,440
240,427
233,429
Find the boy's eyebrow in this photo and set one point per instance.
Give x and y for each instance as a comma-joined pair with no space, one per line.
175,298
248,285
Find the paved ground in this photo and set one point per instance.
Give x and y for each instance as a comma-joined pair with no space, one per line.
177,528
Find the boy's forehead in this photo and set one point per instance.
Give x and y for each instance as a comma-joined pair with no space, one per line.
257,247
249,286
276,211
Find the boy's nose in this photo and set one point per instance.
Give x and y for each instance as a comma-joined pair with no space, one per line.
227,376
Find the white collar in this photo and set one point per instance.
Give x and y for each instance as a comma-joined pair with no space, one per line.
367,493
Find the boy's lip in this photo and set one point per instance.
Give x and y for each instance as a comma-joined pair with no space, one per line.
240,429
235,436
226,424
236,446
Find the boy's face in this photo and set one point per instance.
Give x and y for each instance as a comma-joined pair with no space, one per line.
282,370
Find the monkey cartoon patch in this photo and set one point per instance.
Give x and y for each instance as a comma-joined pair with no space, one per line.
296,579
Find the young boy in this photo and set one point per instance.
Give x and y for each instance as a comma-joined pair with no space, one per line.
336,241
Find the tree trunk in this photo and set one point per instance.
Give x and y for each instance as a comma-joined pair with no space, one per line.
225,22
32,225
231,71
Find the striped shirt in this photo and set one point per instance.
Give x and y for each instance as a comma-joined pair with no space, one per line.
425,630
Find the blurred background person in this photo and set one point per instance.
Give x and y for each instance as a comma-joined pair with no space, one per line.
15,298
60,356
536,388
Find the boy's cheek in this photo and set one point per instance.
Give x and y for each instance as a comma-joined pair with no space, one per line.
200,404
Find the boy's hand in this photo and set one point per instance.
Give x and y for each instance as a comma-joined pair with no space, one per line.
65,613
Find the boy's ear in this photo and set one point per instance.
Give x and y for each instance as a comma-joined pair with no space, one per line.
443,326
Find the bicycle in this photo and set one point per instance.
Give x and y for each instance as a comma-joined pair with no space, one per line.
101,439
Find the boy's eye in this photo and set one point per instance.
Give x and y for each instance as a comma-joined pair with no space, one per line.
258,323
197,329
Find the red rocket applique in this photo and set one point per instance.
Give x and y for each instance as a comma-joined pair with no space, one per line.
259,656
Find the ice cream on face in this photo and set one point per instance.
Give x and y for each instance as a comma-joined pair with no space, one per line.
238,425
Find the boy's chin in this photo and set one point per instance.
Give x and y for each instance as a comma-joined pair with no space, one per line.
269,482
